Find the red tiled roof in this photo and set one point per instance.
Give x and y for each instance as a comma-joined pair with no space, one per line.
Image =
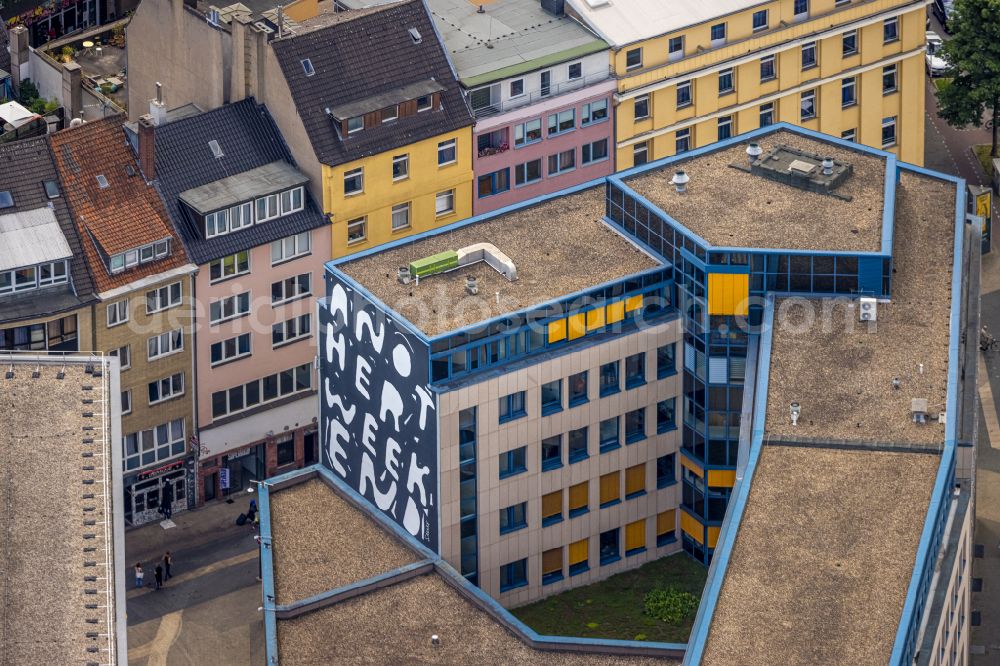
126,214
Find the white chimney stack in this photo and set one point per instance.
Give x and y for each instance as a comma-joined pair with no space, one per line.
157,107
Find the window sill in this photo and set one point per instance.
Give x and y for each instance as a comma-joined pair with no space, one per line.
559,173
397,179
527,143
660,485
666,373
511,473
593,162
576,569
167,355
446,213
353,194
610,446
289,259
886,93
442,165
492,194
527,183
573,513
357,241
513,417
850,54
848,105
610,560
576,402
611,503
769,79
219,364
514,586
578,457
513,529
560,133
548,579
724,93
807,119
551,465
225,279
609,391
552,520
594,122
275,304
632,439
551,409
635,494
634,383
667,428
402,229
665,540
225,319
635,551
285,343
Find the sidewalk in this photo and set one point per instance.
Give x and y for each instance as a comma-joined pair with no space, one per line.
193,528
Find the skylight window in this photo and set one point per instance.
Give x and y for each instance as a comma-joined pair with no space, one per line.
415,35
102,182
216,148
307,67
51,188
6,201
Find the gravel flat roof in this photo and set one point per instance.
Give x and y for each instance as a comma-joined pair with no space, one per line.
316,534
322,542
840,371
43,515
823,557
395,625
559,247
733,208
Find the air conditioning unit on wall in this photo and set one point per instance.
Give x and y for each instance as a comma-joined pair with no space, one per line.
868,309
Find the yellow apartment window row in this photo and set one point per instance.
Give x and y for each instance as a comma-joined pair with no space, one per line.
400,217
578,552
719,33
354,179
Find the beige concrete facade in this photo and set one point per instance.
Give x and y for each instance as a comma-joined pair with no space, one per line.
952,633
135,334
494,494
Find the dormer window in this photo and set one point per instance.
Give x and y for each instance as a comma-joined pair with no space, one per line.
355,124
390,113
425,103
140,255
33,251
387,106
267,208
34,277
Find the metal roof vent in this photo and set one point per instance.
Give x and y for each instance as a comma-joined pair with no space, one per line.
795,409
680,181
471,285
215,148
827,166
754,151
415,35
403,274
435,640
800,169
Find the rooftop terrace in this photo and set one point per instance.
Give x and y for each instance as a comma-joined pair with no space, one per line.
322,541
55,522
732,208
559,246
823,557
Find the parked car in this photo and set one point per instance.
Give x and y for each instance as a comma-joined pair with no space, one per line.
943,9
936,63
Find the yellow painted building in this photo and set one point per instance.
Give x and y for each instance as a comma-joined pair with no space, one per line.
396,201
847,69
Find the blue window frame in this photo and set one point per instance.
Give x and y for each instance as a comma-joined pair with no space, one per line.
552,453
609,379
718,32
800,7
578,445
726,81
666,360
513,518
514,575
579,567
610,546
552,397
635,370
760,20
468,510
725,126
512,406
683,94
666,473
635,425
494,183
513,462
666,415
553,575
610,434
578,389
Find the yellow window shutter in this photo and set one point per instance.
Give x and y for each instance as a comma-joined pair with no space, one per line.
578,552
609,487
577,326
666,521
557,330
552,504
552,560
635,479
578,495
635,535
595,319
633,303
616,312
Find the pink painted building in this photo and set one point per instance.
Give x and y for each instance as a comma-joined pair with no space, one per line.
540,86
244,212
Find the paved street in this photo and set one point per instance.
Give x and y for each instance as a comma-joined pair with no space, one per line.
207,613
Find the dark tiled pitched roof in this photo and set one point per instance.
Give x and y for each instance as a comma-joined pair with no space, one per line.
126,214
249,139
365,56
24,165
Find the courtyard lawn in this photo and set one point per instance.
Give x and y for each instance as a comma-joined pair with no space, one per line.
613,608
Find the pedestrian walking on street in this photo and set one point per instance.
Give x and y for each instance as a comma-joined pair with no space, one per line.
167,561
138,574
158,575
252,511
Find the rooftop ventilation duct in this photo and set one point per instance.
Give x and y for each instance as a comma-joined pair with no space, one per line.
680,181
754,151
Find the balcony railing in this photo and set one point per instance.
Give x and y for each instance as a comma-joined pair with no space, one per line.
538,95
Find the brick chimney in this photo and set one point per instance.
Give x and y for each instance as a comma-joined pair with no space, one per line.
147,146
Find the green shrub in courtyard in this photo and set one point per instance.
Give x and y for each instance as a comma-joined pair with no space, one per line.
670,604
